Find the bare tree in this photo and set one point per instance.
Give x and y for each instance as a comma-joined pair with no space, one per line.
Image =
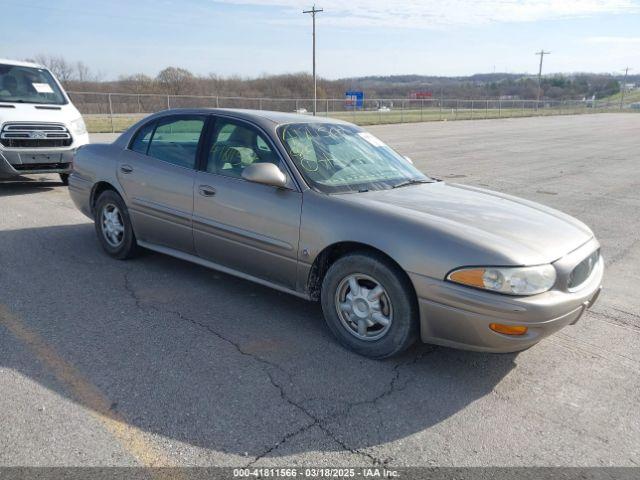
83,73
137,83
62,69
175,81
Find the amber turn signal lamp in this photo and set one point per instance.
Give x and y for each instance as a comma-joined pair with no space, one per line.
472,277
508,329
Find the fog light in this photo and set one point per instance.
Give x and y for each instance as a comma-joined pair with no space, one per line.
508,329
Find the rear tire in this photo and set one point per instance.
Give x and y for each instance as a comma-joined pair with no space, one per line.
369,305
64,177
113,226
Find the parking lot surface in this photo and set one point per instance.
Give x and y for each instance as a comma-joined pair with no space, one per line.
155,361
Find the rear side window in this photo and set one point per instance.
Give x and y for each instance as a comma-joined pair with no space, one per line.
175,141
142,138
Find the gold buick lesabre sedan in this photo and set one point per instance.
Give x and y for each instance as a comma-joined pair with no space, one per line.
324,210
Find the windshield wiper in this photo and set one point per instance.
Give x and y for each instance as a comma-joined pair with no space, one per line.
413,181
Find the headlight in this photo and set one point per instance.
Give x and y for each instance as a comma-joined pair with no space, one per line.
78,127
509,280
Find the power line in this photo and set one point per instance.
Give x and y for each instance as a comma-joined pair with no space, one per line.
542,53
313,12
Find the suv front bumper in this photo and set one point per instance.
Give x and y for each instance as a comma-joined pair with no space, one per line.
17,162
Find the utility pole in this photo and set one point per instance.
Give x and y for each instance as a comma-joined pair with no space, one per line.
313,12
542,53
624,87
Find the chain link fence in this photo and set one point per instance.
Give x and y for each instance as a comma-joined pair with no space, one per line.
114,112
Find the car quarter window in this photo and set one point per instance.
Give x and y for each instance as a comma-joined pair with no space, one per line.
175,140
234,146
141,139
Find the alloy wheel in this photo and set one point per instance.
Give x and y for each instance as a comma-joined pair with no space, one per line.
112,225
364,307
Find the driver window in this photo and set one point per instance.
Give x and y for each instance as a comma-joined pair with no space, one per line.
235,146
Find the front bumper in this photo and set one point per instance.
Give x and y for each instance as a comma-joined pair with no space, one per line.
458,316
23,162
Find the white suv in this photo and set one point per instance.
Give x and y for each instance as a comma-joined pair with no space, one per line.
40,129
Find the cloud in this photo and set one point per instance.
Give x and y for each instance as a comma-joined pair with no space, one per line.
441,13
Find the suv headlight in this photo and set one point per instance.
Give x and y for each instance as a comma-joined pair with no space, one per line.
509,280
78,126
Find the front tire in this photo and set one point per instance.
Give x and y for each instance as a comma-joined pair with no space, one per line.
64,178
113,226
369,305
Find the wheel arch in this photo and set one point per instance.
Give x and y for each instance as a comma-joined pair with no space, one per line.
334,252
97,190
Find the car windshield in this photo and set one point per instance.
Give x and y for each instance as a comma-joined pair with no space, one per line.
337,158
28,85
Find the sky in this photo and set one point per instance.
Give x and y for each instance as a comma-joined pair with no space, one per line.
354,37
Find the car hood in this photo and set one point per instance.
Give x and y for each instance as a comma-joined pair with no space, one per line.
525,232
27,112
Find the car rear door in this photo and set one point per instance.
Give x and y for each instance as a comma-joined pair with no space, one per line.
157,173
248,227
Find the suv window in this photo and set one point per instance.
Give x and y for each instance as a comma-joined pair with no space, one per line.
175,140
234,146
141,139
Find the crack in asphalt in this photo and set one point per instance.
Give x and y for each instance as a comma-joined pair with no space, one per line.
619,322
631,314
315,420
280,442
131,291
281,389
390,390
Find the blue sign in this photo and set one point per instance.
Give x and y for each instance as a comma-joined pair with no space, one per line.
353,99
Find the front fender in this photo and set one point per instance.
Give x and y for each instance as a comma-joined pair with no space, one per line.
416,246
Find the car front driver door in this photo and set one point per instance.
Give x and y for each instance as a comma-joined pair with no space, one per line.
245,226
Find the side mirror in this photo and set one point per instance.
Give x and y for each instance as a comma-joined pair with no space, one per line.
265,173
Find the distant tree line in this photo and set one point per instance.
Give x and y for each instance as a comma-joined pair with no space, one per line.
67,72
179,81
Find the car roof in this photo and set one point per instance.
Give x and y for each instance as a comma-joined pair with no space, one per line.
258,116
18,63
283,117
265,119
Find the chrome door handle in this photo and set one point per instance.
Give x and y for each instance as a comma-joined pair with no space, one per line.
126,168
206,191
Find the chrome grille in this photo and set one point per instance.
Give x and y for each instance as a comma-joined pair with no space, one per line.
35,135
583,270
